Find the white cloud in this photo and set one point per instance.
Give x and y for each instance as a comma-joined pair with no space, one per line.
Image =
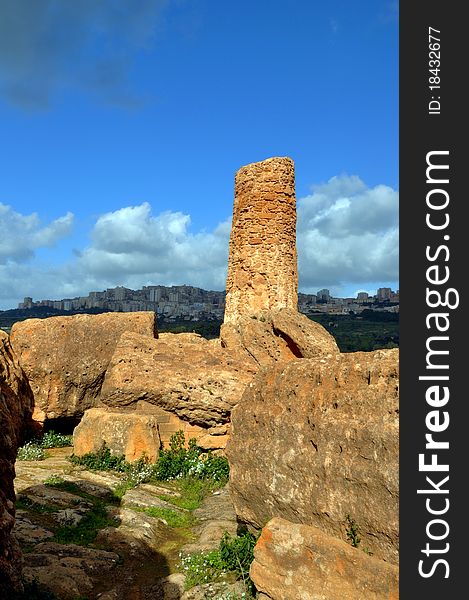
347,240
347,235
129,247
21,235
131,243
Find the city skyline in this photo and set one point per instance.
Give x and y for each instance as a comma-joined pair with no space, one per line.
121,139
196,303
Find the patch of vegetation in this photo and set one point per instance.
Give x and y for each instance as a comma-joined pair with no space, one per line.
203,567
84,533
102,460
59,483
178,462
25,503
366,331
192,491
352,531
237,553
174,518
234,555
31,451
193,472
51,439
34,448
54,481
208,329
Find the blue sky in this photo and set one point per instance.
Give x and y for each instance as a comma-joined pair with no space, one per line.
123,122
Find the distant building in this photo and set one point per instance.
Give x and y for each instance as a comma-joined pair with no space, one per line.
192,303
323,296
27,303
384,294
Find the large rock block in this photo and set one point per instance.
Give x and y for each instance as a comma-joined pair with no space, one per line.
262,264
130,434
65,358
300,562
277,335
16,402
314,440
183,373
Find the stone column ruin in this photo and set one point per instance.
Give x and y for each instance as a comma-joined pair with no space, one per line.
262,264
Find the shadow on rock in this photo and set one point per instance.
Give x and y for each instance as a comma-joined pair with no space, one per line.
78,541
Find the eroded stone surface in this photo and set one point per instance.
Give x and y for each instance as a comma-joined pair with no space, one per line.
15,413
277,335
300,562
69,570
65,358
184,373
314,440
262,264
215,516
128,434
145,547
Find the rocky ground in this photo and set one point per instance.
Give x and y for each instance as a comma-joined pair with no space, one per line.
81,541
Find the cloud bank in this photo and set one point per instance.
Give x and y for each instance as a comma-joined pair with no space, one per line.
347,239
348,235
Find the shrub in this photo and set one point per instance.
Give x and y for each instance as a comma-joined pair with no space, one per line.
31,451
234,555
216,468
178,462
237,553
51,439
201,568
352,531
102,460
140,471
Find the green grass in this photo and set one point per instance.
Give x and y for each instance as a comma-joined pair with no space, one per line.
85,532
71,487
352,531
51,439
233,556
102,460
192,490
174,518
24,503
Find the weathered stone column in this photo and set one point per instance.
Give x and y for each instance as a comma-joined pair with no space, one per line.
262,264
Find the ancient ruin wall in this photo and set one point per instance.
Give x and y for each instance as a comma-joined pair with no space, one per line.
262,264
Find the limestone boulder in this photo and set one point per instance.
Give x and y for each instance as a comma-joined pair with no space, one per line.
130,434
16,402
69,571
65,358
301,562
276,335
194,378
315,440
